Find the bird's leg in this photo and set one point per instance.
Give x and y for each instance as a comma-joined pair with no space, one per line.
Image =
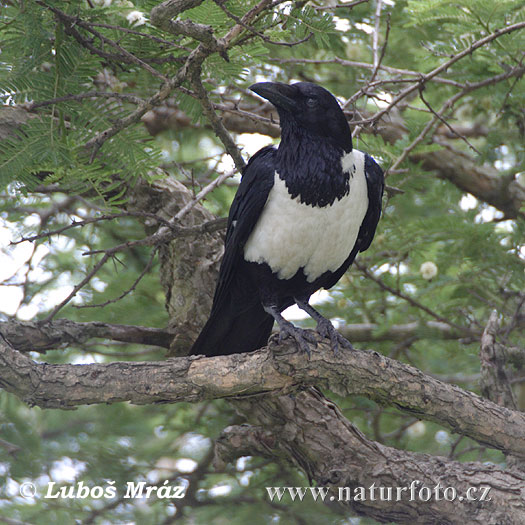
325,328
287,329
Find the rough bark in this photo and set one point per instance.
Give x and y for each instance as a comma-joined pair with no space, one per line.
35,336
306,429
309,430
27,336
495,384
362,372
189,266
311,433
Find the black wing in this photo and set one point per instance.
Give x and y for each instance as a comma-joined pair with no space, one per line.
252,194
375,180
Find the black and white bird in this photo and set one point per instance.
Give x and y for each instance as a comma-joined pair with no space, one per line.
301,214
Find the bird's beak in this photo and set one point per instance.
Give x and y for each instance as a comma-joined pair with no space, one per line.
280,95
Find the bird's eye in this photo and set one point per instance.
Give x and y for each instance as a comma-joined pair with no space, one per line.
311,102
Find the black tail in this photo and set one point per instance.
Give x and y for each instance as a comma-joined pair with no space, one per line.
230,331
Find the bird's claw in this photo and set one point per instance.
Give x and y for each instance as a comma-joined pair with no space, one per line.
302,338
326,329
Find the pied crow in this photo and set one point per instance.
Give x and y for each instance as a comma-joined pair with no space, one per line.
301,214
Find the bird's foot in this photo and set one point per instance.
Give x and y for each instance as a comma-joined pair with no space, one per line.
303,338
326,329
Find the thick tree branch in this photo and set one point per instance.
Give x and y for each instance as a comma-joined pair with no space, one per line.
310,432
495,384
305,428
367,373
188,266
482,181
27,336
163,16
495,373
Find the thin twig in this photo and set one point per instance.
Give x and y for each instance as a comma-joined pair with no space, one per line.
130,289
349,5
90,94
89,220
235,31
412,301
406,152
507,95
139,33
268,40
78,287
452,130
362,65
383,51
371,81
443,67
166,234
210,187
517,71
216,122
70,22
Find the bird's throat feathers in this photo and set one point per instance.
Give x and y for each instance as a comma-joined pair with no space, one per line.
311,167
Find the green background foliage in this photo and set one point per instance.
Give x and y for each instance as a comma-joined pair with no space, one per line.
477,251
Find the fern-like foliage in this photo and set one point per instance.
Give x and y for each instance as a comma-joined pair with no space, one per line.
44,63
52,55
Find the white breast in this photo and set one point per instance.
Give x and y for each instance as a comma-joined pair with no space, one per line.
290,235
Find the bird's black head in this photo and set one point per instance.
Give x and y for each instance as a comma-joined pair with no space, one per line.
310,107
